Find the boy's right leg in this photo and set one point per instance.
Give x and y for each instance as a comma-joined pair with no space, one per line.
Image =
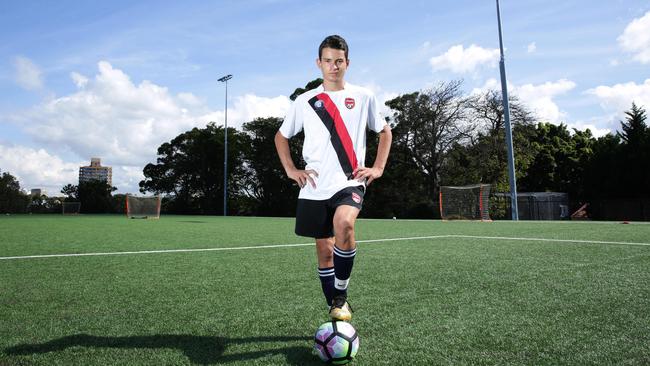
314,219
324,251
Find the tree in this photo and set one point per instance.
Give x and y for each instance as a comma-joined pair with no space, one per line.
268,189
560,158
95,196
268,185
426,125
402,191
603,172
12,198
38,204
486,113
71,192
309,86
482,157
190,168
634,127
635,153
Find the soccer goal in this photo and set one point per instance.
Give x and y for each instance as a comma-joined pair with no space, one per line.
142,207
70,208
465,202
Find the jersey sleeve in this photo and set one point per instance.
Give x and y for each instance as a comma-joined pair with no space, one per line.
375,120
292,123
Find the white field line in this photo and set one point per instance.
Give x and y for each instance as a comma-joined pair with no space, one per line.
207,249
309,244
550,240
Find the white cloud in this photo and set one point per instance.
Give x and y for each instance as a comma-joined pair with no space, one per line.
189,99
248,107
595,130
460,60
109,117
28,75
36,168
124,123
532,47
491,83
127,178
538,98
636,38
618,98
79,80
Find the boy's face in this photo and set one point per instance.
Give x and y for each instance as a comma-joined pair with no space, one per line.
333,64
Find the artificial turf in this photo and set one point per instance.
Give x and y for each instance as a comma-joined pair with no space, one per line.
444,300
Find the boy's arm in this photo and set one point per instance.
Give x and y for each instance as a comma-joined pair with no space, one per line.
299,176
377,170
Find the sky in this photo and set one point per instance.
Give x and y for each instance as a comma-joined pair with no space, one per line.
116,79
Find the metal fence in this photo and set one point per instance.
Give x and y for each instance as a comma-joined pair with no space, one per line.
532,206
557,206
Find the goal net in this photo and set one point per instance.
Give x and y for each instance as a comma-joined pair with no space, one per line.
142,207
465,202
70,208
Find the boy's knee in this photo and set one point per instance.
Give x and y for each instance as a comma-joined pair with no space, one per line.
344,225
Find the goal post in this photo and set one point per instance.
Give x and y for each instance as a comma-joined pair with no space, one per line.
470,202
70,208
142,207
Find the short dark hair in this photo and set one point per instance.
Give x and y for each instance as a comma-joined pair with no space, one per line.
334,41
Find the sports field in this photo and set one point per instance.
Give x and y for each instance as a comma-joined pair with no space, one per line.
245,291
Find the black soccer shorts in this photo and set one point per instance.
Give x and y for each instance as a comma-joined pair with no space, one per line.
314,218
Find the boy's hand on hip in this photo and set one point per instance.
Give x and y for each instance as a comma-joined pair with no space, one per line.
303,176
369,174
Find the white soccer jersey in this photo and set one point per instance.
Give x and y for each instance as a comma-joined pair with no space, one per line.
335,135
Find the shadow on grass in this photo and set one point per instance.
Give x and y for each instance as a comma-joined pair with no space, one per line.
195,222
199,349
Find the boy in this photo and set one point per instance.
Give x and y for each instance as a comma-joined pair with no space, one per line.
334,117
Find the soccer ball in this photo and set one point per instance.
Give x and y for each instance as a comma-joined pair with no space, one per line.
336,342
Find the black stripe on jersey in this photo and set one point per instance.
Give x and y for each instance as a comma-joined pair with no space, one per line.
328,121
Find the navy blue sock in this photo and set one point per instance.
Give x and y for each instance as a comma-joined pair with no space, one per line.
327,283
343,261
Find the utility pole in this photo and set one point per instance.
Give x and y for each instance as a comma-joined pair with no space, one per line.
506,114
225,149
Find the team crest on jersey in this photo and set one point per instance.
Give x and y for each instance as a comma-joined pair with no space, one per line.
349,103
356,198
318,104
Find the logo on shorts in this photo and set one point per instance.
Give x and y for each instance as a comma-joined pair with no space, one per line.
356,198
349,103
318,104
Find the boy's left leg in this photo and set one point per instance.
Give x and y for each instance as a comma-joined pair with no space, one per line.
345,247
344,253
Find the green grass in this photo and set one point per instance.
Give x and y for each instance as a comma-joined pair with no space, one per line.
440,301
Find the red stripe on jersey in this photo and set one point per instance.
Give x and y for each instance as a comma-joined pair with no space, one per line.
341,130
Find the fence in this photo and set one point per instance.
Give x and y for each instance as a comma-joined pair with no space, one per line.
532,206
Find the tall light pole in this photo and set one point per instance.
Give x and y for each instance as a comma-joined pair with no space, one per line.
506,115
225,149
